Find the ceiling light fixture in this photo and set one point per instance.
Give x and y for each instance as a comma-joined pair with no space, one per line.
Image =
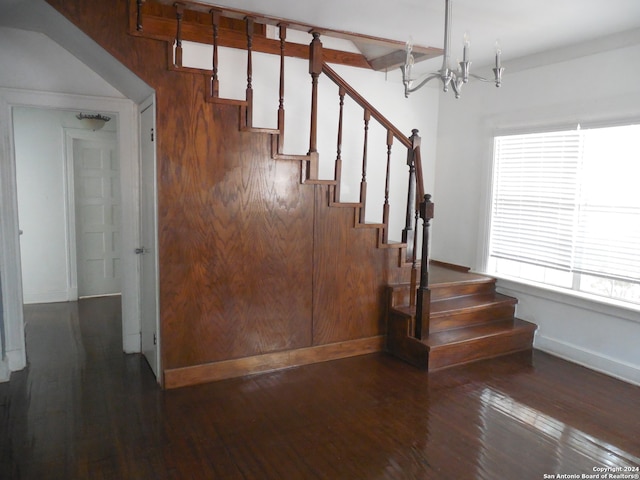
94,122
454,78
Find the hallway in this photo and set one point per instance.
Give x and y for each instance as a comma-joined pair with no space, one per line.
83,409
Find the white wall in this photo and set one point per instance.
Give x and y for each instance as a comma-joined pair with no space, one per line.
41,177
588,88
38,63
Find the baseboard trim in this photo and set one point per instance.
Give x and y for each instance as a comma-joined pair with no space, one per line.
590,359
209,372
48,297
131,343
16,359
5,371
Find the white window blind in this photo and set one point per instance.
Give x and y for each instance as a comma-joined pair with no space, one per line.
569,201
607,240
535,196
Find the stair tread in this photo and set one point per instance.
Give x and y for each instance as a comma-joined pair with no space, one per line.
440,276
475,332
370,225
273,131
290,156
450,305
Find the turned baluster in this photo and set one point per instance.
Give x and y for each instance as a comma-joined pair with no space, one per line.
249,95
408,233
423,305
215,23
385,207
283,37
139,15
363,182
414,262
179,14
338,167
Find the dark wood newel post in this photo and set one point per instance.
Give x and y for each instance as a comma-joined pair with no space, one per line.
409,229
315,69
424,294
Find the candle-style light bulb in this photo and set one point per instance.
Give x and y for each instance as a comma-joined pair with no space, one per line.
465,49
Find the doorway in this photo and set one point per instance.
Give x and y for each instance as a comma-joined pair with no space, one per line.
10,255
68,205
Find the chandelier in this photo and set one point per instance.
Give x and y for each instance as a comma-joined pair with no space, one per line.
449,77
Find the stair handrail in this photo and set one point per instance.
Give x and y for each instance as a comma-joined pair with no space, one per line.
413,148
360,100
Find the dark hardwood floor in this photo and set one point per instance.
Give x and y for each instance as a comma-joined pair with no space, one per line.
82,409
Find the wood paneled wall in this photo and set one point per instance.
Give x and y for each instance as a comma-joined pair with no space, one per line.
252,262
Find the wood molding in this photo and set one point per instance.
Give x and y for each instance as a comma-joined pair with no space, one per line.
181,377
160,27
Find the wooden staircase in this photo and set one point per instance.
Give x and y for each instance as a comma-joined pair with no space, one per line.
468,321
454,316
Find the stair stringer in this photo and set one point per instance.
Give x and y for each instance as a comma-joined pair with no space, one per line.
308,161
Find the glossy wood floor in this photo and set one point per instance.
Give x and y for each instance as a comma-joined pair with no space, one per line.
83,409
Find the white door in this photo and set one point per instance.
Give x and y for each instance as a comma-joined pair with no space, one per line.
97,206
148,253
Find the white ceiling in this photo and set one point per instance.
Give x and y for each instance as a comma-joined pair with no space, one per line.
524,27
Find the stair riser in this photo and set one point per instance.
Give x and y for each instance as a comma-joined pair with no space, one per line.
479,349
450,291
474,317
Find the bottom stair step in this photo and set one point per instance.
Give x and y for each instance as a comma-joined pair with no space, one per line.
463,345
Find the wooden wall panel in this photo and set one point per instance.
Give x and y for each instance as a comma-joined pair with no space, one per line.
252,262
235,242
349,271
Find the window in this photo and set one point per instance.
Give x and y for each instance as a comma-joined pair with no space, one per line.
566,210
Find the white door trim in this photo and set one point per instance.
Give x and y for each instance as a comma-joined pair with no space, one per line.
128,150
150,103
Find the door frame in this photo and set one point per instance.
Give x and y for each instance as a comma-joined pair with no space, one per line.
150,104
71,134
10,273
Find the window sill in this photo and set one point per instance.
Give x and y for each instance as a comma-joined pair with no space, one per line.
570,297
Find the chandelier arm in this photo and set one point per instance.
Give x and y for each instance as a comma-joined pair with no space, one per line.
423,82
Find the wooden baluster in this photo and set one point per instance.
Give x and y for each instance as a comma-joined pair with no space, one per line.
414,263
139,15
423,306
385,207
249,96
338,168
179,14
315,69
215,23
408,233
363,182
283,37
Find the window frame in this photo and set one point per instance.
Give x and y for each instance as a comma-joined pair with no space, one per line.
568,295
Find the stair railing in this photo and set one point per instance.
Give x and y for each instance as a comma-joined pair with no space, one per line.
419,205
